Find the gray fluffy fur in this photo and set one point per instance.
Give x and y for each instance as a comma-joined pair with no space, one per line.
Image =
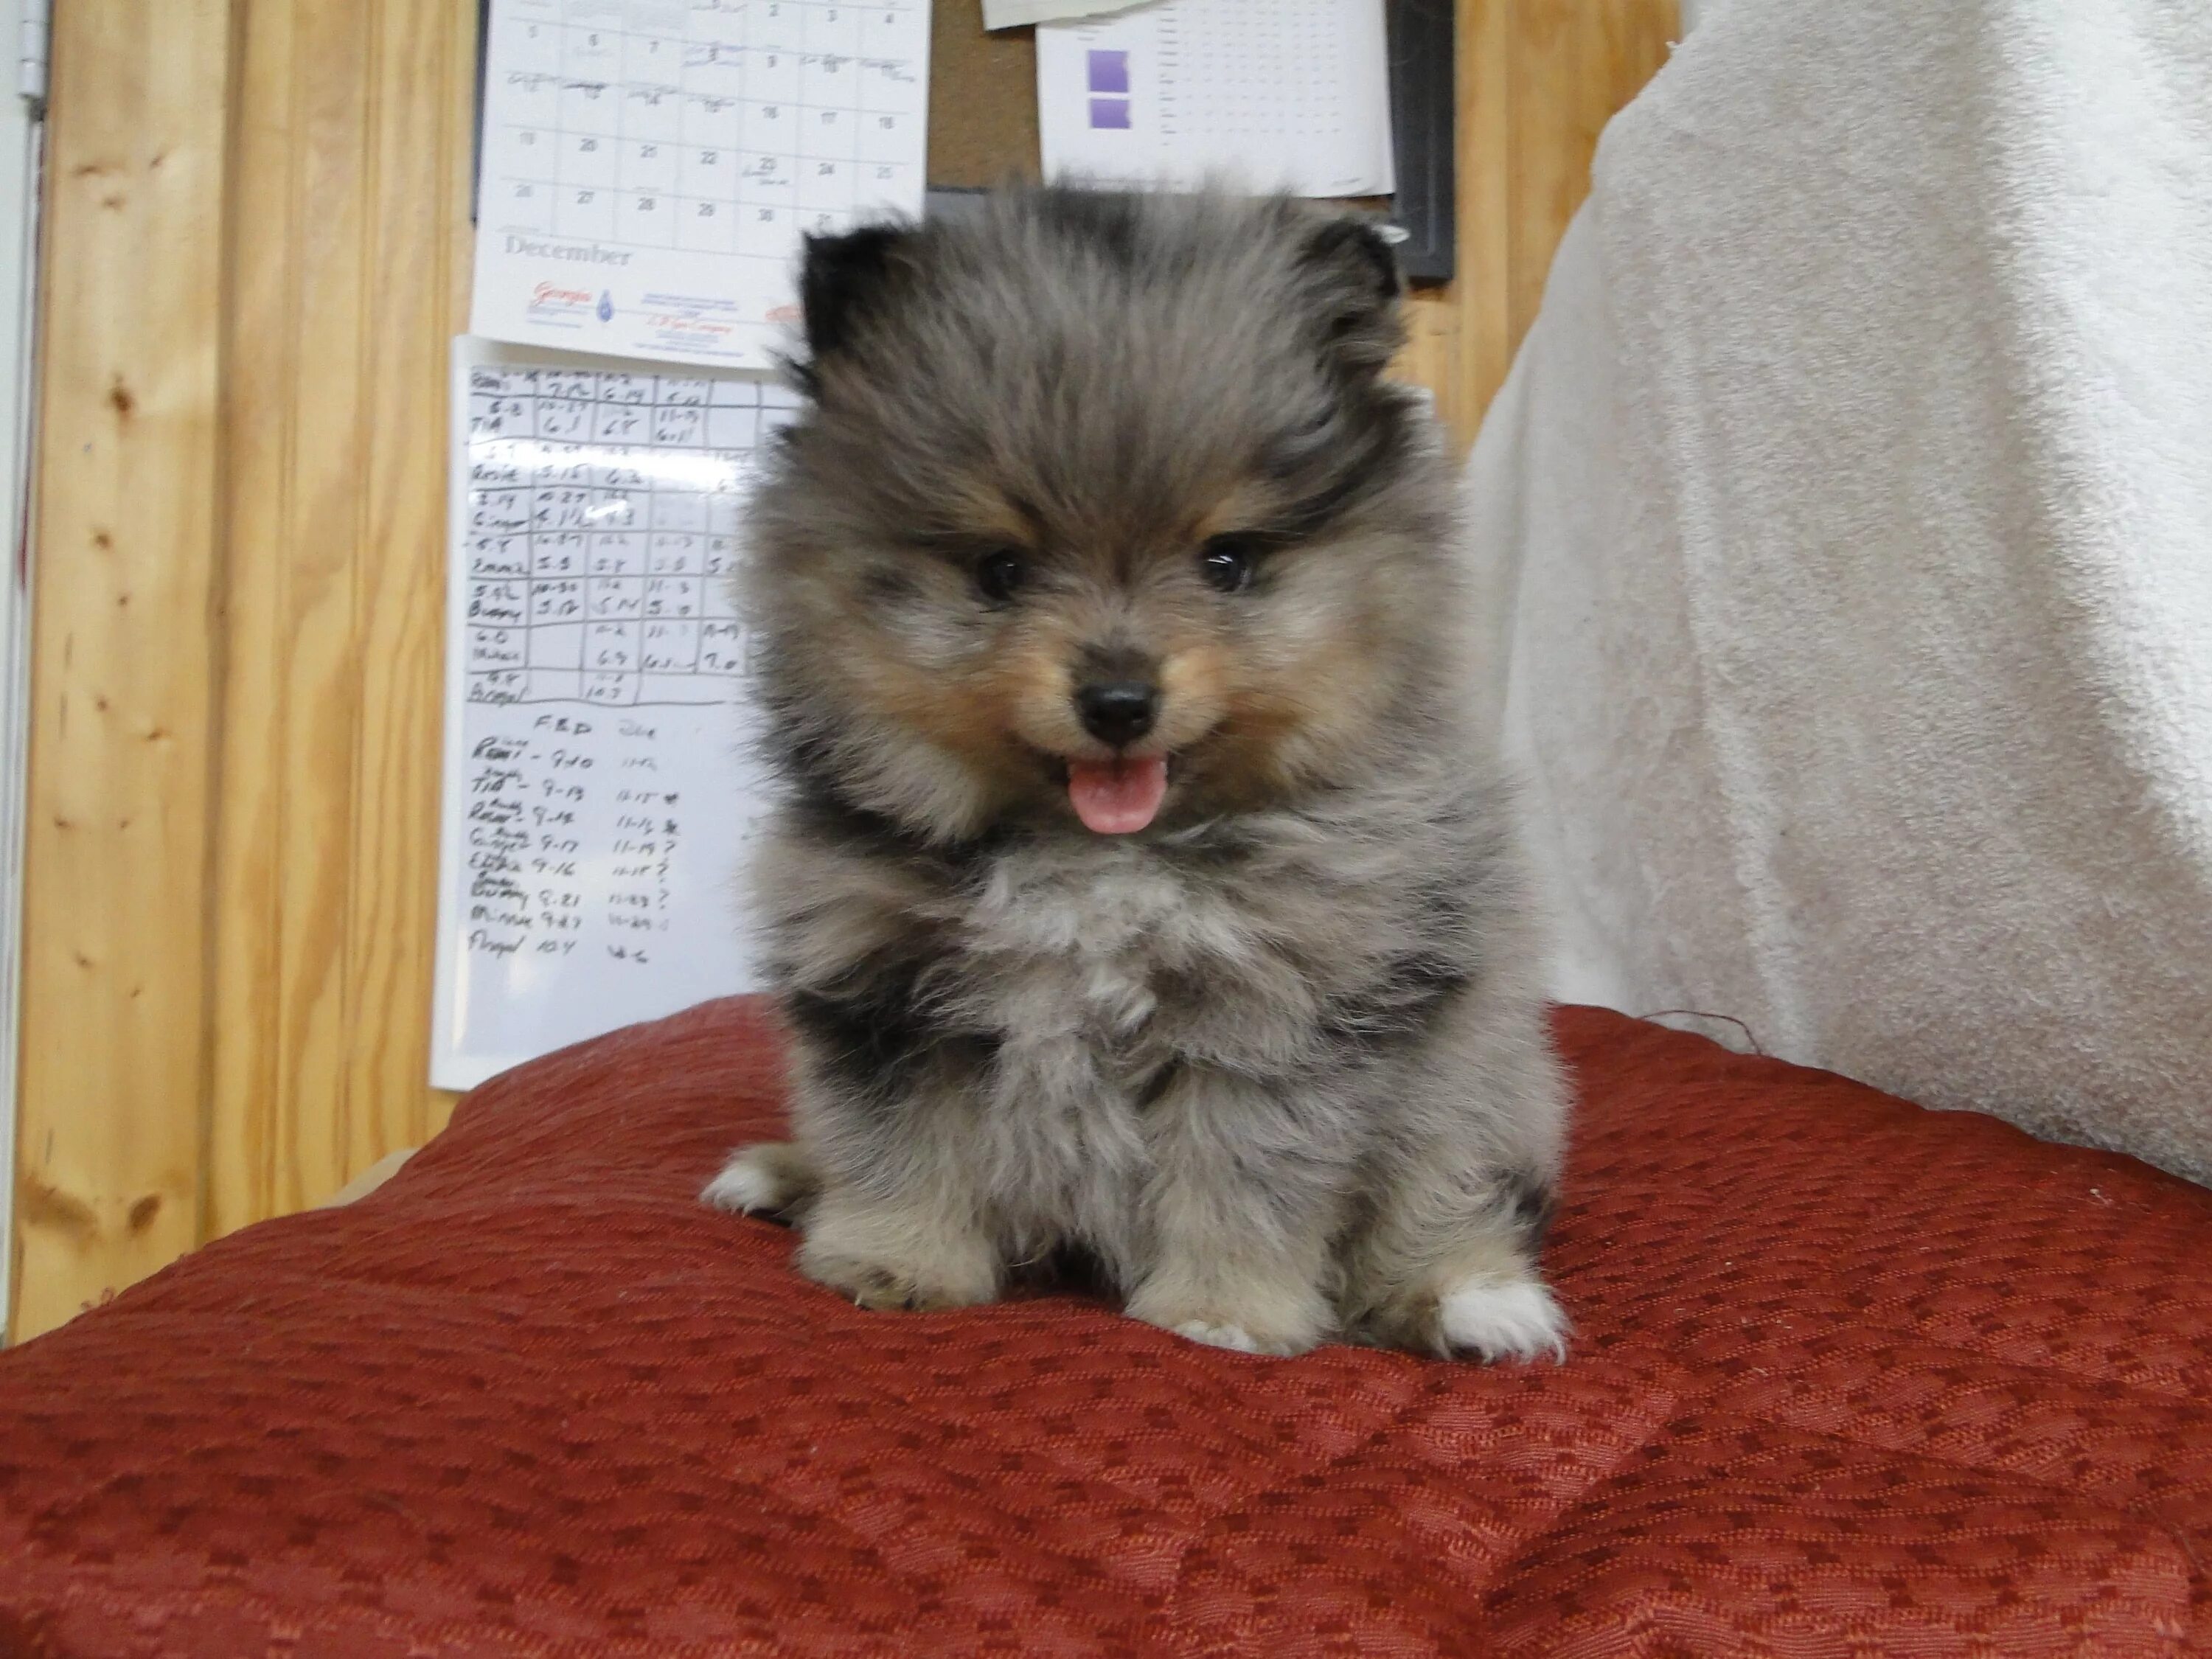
1278,1065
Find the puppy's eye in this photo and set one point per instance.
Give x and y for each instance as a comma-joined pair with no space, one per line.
1227,563
1001,576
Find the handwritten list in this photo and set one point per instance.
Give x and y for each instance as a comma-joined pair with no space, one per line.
599,784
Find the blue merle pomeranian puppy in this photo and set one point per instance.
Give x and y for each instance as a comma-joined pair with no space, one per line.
1142,892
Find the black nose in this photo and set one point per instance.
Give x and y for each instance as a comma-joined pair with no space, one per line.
1118,711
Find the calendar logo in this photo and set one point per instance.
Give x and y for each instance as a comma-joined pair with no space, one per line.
606,312
551,302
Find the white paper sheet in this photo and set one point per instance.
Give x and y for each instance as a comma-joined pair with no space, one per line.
649,165
1012,13
1268,94
598,786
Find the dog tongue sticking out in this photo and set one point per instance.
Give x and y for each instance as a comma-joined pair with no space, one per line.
1117,797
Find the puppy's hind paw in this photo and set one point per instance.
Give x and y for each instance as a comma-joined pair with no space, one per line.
1233,1337
763,1180
1502,1319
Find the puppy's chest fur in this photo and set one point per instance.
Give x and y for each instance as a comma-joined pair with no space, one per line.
1140,960
1099,978
1087,951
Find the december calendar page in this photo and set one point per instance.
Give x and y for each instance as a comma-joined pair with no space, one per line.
650,165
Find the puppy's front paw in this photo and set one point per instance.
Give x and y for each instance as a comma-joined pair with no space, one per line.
915,1287
1222,1331
1283,1324
763,1180
1502,1319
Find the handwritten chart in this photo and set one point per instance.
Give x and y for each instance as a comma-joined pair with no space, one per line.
650,165
598,786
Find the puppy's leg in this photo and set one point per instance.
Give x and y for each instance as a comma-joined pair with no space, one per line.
1460,1191
1242,1205
767,1178
917,1243
1446,1261
899,1221
1449,1267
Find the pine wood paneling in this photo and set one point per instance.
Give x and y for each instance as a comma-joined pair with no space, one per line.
422,268
114,1059
259,236
350,272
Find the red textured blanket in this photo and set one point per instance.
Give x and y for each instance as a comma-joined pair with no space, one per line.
1850,1379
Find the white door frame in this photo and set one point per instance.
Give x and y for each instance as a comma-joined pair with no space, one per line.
23,34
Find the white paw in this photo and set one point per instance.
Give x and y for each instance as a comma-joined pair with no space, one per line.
1516,1319
1218,1336
748,1183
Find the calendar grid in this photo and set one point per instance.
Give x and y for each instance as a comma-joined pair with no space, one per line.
603,516
689,131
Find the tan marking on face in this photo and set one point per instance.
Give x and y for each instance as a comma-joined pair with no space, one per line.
1284,719
1195,681
1244,506
1039,690
963,714
989,517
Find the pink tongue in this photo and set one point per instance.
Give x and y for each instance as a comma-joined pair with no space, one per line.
1117,797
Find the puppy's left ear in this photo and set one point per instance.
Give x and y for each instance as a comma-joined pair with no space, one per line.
843,279
1353,275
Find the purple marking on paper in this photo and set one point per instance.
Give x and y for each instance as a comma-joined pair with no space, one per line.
1109,71
1110,112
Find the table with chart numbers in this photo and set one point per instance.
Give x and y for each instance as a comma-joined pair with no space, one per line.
602,533
601,782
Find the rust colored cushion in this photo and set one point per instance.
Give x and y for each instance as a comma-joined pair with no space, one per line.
1851,1378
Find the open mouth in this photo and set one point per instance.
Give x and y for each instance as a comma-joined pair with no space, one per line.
1117,797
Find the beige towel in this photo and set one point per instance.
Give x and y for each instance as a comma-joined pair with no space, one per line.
1857,481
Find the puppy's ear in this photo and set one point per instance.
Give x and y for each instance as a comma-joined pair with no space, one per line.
843,278
1353,276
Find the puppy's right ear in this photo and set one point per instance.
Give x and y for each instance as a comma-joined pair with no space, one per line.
1352,275
843,278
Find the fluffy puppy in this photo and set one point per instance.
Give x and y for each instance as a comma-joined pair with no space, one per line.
1141,891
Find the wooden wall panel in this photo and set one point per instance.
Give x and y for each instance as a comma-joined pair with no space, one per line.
283,825
259,230
354,148
114,1059
259,237
422,268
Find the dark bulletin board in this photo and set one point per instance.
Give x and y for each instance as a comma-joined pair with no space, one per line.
1424,107
983,117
